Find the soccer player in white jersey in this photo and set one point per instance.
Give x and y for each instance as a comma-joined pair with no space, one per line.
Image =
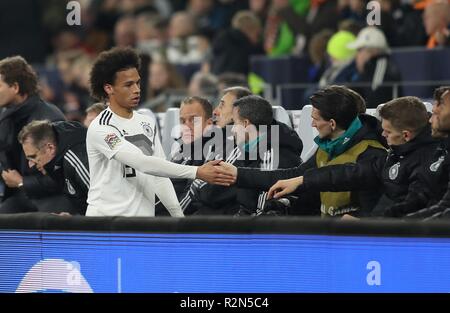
126,160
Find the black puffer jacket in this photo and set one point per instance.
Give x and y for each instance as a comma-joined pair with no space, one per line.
436,177
396,174
12,120
70,166
371,130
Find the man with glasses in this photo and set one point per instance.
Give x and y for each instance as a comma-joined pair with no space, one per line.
59,150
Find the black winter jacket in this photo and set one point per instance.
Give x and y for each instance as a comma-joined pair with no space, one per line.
70,166
397,175
436,178
12,119
371,130
213,200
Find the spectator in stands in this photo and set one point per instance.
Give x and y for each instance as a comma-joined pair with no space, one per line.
28,190
204,85
436,19
438,163
59,150
245,34
125,32
228,80
317,52
163,78
374,67
342,68
185,44
406,129
345,136
151,35
92,112
283,26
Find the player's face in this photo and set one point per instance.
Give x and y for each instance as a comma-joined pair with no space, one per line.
38,157
323,126
126,90
441,114
193,121
223,113
241,128
394,137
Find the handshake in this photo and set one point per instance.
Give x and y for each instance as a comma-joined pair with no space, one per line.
217,172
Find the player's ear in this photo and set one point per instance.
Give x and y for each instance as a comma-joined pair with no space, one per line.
108,89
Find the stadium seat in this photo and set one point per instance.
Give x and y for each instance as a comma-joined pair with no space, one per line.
171,129
306,132
281,115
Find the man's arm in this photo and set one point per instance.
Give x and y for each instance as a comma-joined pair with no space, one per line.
259,179
111,145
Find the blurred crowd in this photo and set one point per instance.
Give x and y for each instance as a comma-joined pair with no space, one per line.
200,47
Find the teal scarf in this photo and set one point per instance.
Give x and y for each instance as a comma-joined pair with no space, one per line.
339,145
249,146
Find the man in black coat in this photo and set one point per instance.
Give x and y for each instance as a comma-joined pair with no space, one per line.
405,126
232,48
439,163
374,67
19,105
59,150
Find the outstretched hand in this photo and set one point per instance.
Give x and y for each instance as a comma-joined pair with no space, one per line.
212,173
284,187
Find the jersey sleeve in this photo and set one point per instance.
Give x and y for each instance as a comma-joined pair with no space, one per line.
105,139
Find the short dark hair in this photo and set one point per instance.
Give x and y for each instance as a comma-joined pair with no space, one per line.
107,65
338,103
406,113
206,105
40,132
238,91
256,109
438,92
16,70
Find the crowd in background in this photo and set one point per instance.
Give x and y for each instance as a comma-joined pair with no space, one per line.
196,46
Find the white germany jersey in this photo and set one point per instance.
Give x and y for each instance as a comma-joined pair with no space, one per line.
117,189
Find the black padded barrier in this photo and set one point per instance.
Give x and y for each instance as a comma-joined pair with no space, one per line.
225,225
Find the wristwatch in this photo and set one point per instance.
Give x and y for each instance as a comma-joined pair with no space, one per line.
20,185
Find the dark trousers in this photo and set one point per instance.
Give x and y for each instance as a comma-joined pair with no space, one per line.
20,203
